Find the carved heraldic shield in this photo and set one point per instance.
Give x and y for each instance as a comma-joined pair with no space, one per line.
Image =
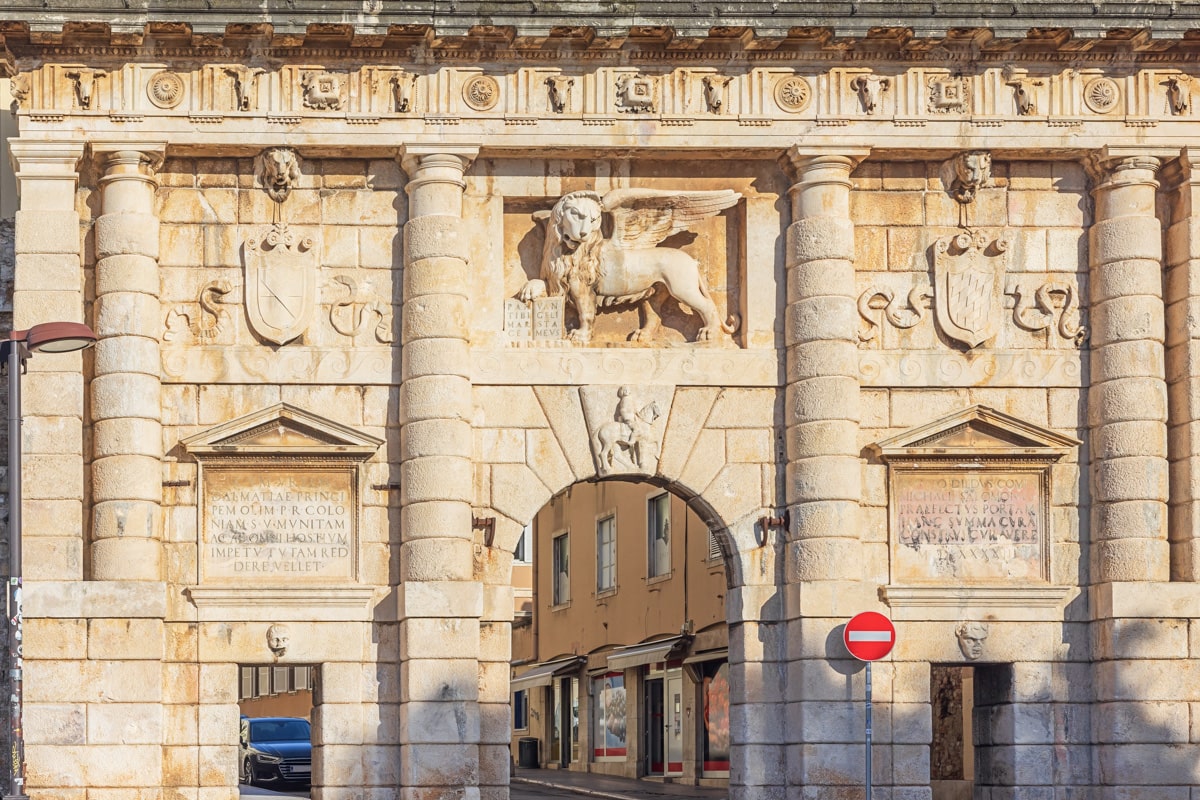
281,283
968,272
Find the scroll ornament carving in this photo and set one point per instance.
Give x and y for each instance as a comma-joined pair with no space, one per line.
278,171
211,322
85,85
882,301
793,94
597,272
19,89
629,441
165,90
1040,315
714,92
351,314
636,94
322,90
1101,95
559,89
870,89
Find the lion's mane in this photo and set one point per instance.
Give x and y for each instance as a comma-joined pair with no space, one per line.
560,265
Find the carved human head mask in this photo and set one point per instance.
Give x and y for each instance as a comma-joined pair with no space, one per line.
278,638
970,639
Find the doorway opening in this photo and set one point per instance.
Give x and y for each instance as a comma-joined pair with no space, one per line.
620,637
952,753
275,740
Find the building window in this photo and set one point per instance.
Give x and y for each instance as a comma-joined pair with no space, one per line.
524,552
520,710
608,737
562,569
658,535
606,554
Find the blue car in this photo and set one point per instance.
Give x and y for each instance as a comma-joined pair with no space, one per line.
275,750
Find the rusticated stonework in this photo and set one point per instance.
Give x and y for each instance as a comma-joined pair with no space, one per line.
907,318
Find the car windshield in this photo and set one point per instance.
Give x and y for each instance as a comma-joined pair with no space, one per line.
279,730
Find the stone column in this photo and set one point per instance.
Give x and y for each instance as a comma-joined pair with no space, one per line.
1127,400
440,599
1183,351
48,286
126,390
495,656
821,410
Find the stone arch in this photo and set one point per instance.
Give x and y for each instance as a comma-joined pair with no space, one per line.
717,448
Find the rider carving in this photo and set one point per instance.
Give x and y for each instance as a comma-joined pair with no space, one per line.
625,268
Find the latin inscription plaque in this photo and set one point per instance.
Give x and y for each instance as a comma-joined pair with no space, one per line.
271,526
968,526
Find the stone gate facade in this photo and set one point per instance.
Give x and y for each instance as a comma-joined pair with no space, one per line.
907,317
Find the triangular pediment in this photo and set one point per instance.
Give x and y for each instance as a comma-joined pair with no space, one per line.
281,430
977,432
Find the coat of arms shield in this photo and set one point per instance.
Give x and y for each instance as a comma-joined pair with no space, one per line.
281,283
968,272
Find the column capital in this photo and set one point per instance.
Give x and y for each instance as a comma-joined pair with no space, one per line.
120,156
415,157
41,160
1118,165
802,158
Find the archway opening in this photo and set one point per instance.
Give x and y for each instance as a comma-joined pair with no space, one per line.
620,650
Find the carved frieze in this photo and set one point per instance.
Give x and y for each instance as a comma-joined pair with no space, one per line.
1101,95
948,93
714,92
403,85
792,93
481,92
637,94
322,90
84,81
558,88
165,89
870,89
1179,94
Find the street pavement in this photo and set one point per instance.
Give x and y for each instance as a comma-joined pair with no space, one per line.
553,784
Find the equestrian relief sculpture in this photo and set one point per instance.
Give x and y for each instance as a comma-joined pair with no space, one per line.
626,268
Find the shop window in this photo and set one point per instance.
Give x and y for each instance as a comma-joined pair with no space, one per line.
562,569
716,716
606,554
609,718
658,535
520,710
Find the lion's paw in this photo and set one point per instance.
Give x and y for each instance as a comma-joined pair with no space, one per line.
532,290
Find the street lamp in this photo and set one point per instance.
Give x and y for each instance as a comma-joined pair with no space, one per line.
48,337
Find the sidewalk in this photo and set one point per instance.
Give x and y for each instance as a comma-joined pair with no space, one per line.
593,785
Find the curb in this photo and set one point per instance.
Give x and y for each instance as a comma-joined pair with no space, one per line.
575,789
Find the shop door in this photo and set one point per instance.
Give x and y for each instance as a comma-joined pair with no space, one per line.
673,720
653,719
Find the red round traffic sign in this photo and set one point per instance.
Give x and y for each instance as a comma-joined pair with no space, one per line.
869,636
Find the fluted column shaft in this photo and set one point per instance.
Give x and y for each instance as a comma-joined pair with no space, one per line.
1127,399
126,391
441,600
821,410
48,286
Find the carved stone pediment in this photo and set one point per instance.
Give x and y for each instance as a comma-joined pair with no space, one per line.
969,500
976,433
281,431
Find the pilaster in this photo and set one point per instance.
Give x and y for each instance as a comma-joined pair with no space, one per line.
1127,399
441,597
126,390
1183,351
48,286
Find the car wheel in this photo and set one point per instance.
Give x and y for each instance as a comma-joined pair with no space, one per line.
247,772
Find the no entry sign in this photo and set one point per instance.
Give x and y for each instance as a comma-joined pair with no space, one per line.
869,636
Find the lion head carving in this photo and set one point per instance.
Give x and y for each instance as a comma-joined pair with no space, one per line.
278,170
972,171
573,237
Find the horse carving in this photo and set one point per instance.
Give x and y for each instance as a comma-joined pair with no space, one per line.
626,268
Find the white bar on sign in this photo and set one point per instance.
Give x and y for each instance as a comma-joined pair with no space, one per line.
870,636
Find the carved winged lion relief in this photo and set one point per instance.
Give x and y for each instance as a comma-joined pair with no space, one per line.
597,272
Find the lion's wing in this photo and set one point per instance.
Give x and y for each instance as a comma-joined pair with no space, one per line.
644,217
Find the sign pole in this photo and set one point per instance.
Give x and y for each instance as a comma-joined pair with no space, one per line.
869,636
868,730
